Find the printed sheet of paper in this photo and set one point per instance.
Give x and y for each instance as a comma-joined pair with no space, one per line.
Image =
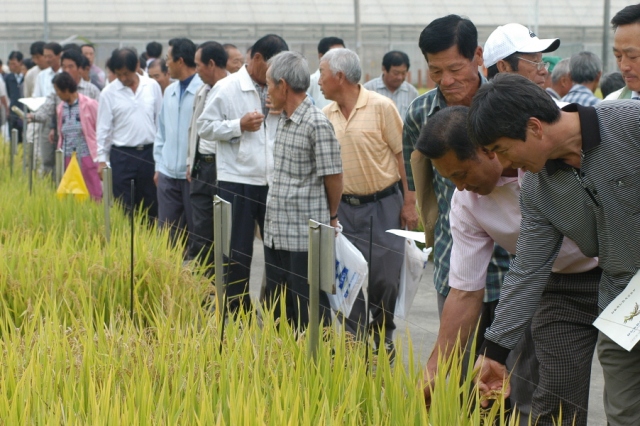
33,103
620,321
409,235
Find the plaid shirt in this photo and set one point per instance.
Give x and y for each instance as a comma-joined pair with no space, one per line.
305,150
419,111
579,94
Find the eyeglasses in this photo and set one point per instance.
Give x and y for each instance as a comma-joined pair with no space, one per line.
539,65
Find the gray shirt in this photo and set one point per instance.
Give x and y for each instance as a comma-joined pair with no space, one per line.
402,97
597,206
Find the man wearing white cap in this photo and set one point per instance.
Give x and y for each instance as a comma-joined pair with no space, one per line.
515,49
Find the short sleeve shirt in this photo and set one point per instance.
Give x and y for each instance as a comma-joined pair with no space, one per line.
370,140
305,150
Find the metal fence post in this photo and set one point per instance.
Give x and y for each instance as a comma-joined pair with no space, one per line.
322,276
14,149
59,167
107,200
221,245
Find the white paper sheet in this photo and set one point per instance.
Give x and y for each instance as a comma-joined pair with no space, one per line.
409,235
620,321
33,103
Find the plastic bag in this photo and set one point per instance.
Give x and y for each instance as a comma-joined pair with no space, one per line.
351,273
415,261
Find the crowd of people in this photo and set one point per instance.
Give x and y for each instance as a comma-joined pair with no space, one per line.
512,153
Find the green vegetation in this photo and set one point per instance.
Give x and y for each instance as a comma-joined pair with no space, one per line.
72,355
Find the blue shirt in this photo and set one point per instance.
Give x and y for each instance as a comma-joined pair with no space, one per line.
172,138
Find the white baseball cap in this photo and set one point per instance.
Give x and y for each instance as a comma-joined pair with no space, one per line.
511,38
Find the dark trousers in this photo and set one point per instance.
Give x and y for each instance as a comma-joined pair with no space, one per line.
565,340
131,163
249,206
386,260
287,277
174,206
203,189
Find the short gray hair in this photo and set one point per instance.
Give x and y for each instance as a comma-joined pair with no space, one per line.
345,61
560,70
291,67
585,67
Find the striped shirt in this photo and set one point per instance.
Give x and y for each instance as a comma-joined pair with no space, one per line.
305,150
597,206
370,139
421,109
402,97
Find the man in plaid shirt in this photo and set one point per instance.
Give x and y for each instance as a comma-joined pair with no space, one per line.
307,184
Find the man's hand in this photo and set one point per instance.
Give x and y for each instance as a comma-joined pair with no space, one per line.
101,166
30,117
156,175
52,136
409,216
189,174
251,121
490,379
429,376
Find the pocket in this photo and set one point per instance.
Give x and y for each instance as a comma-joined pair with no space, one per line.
627,191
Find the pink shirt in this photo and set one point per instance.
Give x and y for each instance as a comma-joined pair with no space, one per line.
477,221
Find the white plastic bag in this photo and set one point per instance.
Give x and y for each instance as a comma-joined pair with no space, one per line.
351,273
415,261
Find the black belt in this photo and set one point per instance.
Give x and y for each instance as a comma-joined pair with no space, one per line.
135,148
207,158
356,200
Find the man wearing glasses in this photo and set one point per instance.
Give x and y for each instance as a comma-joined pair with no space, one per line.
514,49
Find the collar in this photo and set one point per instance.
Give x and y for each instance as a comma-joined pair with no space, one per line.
580,88
363,98
246,82
590,129
300,111
185,83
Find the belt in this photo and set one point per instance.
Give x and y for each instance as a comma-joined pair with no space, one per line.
207,158
356,200
136,148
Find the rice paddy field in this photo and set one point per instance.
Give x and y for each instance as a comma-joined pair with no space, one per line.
71,354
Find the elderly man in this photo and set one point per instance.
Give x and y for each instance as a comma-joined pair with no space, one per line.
307,184
626,49
211,62
485,211
560,80
584,162
159,71
392,84
96,75
236,58
127,125
369,130
326,44
585,70
450,46
172,139
514,49
237,118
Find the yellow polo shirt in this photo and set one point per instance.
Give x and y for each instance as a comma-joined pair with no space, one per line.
369,140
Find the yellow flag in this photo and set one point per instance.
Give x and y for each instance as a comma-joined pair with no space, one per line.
72,181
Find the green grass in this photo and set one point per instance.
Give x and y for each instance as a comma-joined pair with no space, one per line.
70,353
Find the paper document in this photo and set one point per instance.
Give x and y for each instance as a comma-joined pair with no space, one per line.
33,104
409,235
620,321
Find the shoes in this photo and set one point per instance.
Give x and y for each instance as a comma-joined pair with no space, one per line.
387,345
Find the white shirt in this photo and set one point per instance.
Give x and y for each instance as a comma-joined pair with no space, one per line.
479,221
127,119
44,84
242,157
315,92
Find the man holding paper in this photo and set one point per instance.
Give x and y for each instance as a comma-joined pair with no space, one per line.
584,184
